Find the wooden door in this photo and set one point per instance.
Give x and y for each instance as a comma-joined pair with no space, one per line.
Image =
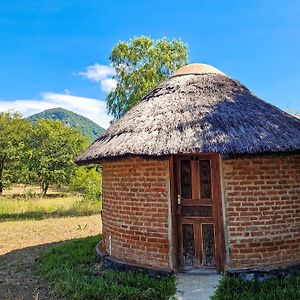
198,212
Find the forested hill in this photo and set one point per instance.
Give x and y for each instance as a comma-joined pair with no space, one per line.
87,127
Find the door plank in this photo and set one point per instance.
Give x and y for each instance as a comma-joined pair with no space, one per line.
218,215
198,244
173,194
196,220
198,202
195,180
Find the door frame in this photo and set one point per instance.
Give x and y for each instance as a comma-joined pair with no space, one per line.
217,209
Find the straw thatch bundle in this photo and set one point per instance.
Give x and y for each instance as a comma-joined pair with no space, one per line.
192,113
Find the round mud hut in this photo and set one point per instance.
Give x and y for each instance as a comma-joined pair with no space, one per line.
201,173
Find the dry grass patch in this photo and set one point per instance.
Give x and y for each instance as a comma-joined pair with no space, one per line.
25,233
52,206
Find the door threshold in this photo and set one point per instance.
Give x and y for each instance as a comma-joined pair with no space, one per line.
198,271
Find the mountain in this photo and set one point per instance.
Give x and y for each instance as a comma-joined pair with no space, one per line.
87,127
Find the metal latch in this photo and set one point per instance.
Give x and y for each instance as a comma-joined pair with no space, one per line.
179,200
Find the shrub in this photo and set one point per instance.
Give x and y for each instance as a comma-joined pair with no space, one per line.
87,182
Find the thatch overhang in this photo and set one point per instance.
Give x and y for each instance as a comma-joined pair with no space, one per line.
198,112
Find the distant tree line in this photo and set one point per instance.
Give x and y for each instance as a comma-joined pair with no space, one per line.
43,153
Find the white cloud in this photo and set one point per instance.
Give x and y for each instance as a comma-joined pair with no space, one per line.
91,108
98,72
108,84
101,74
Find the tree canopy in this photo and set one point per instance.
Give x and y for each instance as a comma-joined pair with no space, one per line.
53,150
14,135
140,65
43,153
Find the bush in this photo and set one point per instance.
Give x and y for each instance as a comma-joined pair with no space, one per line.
87,182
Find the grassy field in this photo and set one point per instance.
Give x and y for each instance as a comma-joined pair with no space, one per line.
53,205
235,289
74,272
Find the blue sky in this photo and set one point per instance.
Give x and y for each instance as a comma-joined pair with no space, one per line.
55,53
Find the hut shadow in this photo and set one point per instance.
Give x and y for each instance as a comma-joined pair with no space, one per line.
19,279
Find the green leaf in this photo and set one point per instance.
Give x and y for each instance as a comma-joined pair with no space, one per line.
140,65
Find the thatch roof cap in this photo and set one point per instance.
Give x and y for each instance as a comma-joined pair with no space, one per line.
197,69
196,112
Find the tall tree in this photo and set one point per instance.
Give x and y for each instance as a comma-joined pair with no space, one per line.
140,65
54,148
14,135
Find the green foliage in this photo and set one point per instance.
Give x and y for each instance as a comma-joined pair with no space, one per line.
87,127
71,269
87,182
53,150
14,135
231,288
140,65
44,153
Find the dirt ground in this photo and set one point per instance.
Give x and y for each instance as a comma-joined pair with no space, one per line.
21,242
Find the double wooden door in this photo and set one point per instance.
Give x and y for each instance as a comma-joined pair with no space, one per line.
198,212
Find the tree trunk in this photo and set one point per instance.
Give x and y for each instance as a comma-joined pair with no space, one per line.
1,175
44,187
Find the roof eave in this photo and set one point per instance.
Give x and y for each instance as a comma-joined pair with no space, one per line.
237,155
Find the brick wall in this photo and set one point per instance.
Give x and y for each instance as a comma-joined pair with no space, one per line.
135,210
262,200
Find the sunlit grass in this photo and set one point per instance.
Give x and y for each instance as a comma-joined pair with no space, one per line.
71,270
54,206
231,288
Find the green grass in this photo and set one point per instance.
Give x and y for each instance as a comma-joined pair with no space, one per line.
71,271
19,208
231,288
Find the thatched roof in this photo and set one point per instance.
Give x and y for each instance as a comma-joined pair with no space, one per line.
198,111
